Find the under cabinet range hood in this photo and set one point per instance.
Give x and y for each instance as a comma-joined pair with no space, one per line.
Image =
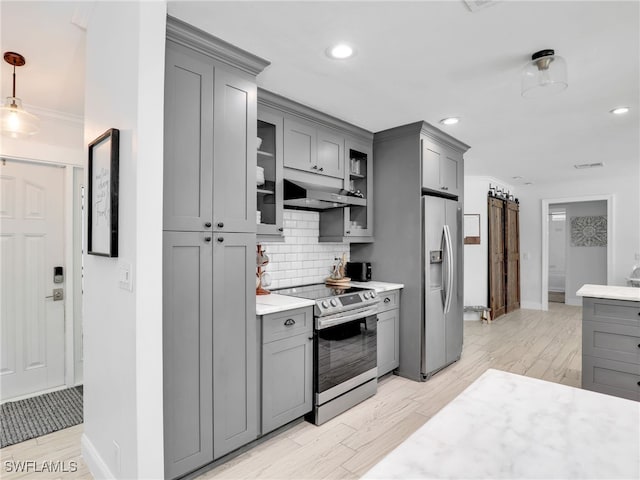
317,197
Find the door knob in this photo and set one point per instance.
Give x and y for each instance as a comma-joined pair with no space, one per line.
207,239
220,225
207,225
57,295
220,239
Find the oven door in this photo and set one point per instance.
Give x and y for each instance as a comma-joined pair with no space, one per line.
346,354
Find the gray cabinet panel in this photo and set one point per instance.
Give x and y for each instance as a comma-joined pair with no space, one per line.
441,168
188,141
287,371
299,145
611,377
235,376
234,170
287,324
611,311
330,160
388,340
611,340
187,351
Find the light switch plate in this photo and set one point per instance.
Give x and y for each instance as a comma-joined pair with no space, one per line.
125,276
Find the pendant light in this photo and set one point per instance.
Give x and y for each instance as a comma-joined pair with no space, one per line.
544,75
16,122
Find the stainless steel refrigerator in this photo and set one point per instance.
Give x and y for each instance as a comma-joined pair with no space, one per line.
442,311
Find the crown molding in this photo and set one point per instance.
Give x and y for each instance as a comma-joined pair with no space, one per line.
189,36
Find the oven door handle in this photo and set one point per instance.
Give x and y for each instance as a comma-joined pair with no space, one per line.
330,322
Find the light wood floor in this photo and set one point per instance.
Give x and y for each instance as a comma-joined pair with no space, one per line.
544,345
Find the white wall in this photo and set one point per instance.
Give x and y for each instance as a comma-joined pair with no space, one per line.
625,222
476,260
122,329
583,264
301,259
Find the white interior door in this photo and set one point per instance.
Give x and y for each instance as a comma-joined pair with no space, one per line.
31,245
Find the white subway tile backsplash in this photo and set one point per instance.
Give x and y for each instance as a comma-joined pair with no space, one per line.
301,259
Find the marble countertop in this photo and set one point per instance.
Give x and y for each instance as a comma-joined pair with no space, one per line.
379,287
610,291
274,303
509,426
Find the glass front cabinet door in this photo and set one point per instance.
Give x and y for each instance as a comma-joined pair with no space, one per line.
269,205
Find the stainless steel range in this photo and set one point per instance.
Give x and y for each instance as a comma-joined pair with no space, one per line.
345,352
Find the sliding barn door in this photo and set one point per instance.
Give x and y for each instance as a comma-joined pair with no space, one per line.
512,250
496,257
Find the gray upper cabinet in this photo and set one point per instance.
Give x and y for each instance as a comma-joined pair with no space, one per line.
441,168
234,168
330,153
300,145
235,360
312,148
188,141
187,351
269,192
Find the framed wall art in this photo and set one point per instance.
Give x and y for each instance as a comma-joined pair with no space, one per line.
102,224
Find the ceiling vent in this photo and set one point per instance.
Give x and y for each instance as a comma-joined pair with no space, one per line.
475,5
588,165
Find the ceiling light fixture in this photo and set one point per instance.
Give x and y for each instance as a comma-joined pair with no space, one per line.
340,51
16,122
450,121
620,110
545,74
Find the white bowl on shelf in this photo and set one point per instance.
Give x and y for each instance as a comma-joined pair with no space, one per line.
259,176
258,142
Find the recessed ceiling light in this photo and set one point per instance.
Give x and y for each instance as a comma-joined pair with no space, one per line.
528,183
619,110
581,166
340,51
517,177
449,121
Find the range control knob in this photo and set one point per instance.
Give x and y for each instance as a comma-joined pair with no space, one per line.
334,302
366,295
325,304
373,294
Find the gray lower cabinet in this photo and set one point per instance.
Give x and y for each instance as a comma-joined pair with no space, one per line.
611,347
187,351
235,361
388,332
287,367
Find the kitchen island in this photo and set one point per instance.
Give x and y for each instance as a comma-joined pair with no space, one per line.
611,340
509,426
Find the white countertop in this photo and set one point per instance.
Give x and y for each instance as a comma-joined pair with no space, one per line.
274,303
509,426
610,291
379,287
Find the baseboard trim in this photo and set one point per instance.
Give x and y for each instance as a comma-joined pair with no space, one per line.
94,461
531,305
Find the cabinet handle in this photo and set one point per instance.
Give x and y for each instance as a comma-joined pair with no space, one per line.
220,225
315,167
387,300
348,232
639,345
208,239
289,321
207,225
639,384
321,169
445,188
310,338
220,239
280,229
